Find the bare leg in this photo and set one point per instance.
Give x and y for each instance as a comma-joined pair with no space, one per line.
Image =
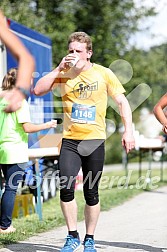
69,210
91,218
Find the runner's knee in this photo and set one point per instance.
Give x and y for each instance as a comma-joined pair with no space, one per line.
91,198
66,195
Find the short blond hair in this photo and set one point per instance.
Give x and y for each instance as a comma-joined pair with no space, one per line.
81,37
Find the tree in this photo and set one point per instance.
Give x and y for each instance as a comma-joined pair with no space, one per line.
54,19
24,13
149,67
109,22
60,22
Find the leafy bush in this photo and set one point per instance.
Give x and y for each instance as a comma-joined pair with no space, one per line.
113,149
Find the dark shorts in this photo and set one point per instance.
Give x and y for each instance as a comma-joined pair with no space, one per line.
76,154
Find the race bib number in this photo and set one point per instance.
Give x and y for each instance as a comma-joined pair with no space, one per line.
83,113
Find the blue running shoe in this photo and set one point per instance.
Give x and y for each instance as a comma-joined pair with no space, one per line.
71,244
89,245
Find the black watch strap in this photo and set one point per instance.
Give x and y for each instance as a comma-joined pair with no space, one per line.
24,91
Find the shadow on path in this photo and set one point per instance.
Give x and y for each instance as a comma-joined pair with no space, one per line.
102,245
29,247
127,245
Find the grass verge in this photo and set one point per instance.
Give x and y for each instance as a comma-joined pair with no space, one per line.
115,189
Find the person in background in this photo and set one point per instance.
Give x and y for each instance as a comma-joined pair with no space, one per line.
14,149
160,113
26,65
84,89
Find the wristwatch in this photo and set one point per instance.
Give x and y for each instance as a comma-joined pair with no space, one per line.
24,91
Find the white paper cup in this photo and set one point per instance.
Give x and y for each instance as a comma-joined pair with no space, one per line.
73,62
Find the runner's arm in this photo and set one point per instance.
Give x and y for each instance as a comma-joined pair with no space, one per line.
25,71
159,113
128,141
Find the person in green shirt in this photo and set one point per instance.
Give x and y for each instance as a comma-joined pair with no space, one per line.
14,128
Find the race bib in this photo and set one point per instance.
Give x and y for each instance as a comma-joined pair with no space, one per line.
83,113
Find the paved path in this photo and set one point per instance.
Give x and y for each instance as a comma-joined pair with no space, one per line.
140,224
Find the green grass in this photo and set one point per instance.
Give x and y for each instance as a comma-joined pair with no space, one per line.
113,192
